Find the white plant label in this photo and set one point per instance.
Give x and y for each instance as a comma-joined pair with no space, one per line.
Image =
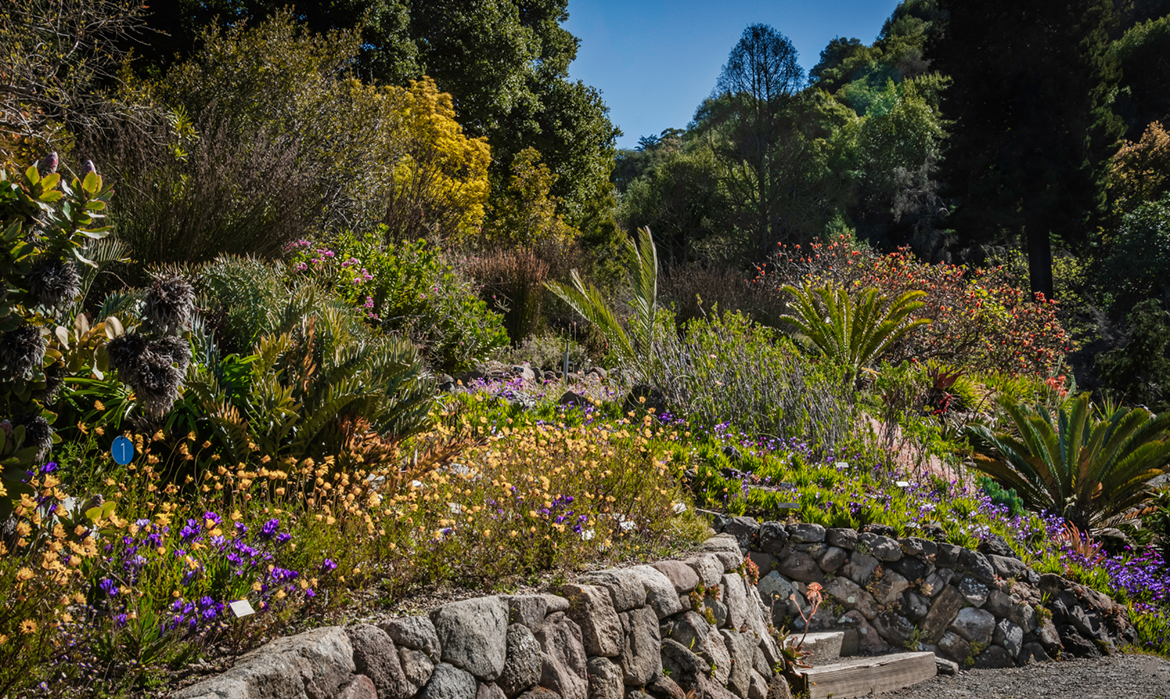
241,608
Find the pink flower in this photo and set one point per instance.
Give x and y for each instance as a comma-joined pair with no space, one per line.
369,302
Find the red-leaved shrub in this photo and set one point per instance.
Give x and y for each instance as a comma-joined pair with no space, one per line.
981,319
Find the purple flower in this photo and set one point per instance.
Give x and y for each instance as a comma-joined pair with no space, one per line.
109,587
328,566
270,528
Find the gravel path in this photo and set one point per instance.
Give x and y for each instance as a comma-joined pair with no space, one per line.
1116,677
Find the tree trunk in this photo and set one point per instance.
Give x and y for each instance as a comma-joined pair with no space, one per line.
1040,260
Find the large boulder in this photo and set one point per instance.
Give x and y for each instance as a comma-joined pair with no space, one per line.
449,682
522,666
591,607
473,635
375,656
563,663
315,664
640,658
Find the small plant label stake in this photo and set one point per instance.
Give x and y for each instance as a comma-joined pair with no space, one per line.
241,608
122,450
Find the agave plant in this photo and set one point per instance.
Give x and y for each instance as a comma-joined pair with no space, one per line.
636,346
1085,464
851,332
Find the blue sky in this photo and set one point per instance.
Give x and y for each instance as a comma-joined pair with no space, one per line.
655,61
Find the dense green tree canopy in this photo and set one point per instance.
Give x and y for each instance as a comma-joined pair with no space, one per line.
1033,130
505,62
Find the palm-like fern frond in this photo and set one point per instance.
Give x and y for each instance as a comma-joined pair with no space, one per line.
851,332
587,301
1087,465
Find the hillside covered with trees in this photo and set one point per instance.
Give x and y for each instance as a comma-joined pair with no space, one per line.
328,305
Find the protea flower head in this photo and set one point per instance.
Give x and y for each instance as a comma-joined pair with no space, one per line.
157,385
126,355
37,433
87,168
54,282
21,351
170,303
48,164
175,350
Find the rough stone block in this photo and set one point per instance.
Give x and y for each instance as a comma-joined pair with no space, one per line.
889,587
473,635
640,659
528,610
605,679
832,559
805,533
850,595
860,567
375,656
592,609
314,663
773,537
880,547
975,625
522,668
842,538
415,632
449,682
681,576
944,609
707,567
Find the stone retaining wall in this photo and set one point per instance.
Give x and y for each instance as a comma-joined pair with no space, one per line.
973,607
699,625
613,634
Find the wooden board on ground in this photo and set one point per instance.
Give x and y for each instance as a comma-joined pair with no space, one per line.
860,677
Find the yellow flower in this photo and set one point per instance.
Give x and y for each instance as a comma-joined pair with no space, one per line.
24,574
28,626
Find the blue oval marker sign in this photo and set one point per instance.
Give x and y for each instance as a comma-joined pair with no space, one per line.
123,450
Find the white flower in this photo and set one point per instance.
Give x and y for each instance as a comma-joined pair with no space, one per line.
841,465
455,507
586,534
416,484
627,525
679,508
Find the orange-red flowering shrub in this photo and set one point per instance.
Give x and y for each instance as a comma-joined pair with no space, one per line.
980,318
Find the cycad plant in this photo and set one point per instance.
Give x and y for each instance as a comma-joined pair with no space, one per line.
318,370
1085,464
851,331
635,347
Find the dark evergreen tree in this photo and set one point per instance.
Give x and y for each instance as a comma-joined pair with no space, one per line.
1033,130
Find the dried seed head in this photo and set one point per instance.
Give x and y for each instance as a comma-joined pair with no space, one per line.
21,351
54,283
126,354
37,433
54,382
157,385
170,303
175,350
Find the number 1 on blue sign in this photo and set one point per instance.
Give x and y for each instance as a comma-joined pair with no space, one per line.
122,451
